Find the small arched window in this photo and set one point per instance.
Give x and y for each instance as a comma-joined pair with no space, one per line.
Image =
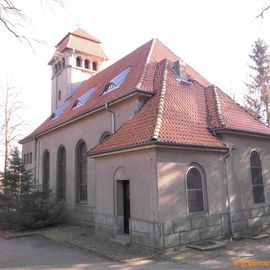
46,170
81,172
86,63
63,62
195,191
257,178
105,136
61,174
59,66
78,61
94,66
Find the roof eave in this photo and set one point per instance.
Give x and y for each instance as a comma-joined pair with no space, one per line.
242,132
158,144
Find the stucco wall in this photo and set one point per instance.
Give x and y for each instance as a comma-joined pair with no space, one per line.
90,130
245,213
140,170
172,168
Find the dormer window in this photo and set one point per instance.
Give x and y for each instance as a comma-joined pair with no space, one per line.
84,98
116,81
78,61
179,70
61,109
86,63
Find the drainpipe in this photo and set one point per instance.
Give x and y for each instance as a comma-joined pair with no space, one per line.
113,116
35,159
227,187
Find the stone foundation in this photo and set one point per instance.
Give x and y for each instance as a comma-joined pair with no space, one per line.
251,220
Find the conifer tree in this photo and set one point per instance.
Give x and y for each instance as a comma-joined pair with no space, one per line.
257,98
22,205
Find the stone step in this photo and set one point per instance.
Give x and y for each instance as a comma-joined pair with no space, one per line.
121,239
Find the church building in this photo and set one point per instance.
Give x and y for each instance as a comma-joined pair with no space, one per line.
148,149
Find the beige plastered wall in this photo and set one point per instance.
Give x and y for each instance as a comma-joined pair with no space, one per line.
88,129
140,170
172,166
239,174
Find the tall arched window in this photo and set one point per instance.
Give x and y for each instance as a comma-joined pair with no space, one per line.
78,61
195,191
256,176
81,172
86,63
61,174
94,66
46,170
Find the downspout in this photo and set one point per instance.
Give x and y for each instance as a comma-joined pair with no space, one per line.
227,188
113,116
35,159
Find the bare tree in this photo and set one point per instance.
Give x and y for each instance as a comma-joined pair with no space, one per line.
12,123
261,14
14,20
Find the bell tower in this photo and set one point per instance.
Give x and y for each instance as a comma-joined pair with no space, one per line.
78,56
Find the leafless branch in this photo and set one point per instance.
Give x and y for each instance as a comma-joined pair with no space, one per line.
262,12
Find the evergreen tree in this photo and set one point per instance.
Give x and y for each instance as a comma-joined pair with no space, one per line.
22,205
257,98
16,180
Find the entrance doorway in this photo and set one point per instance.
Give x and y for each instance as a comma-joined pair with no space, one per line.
123,206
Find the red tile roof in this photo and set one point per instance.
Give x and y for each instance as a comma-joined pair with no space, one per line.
178,113
225,113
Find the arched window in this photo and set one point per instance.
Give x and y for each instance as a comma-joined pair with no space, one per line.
81,172
86,63
61,174
46,170
256,176
195,191
94,66
59,66
105,136
78,61
63,62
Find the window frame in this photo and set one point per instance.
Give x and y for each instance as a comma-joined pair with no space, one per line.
81,173
252,166
204,189
45,170
61,174
78,61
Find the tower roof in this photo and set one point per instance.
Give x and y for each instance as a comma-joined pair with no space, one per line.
81,41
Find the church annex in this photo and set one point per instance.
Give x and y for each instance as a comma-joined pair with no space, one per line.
148,148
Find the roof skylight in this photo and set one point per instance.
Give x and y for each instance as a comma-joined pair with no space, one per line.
61,109
84,98
116,81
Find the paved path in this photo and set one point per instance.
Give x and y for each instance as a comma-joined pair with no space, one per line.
37,252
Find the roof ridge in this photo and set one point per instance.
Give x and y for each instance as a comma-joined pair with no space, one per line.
142,78
218,107
161,102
